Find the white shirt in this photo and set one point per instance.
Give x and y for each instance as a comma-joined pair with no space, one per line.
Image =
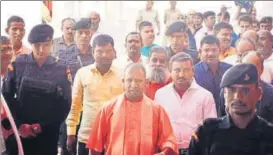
123,61
200,34
232,60
188,112
267,75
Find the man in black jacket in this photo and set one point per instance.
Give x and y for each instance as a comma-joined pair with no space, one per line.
178,38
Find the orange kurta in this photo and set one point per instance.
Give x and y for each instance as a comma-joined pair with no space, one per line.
152,87
122,127
230,51
22,50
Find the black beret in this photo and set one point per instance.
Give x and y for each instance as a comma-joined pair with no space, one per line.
176,27
84,23
4,39
240,74
40,33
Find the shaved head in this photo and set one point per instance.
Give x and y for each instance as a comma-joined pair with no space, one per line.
134,66
254,58
251,34
134,82
265,33
245,45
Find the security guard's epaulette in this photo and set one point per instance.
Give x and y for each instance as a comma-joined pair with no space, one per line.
265,124
211,121
21,58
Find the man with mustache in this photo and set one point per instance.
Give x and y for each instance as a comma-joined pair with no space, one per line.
133,44
223,31
241,131
187,103
148,36
208,73
80,53
93,86
265,44
265,106
95,20
131,123
243,46
75,57
157,71
178,35
66,41
16,31
6,55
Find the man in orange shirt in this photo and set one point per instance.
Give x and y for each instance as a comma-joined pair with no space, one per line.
157,71
132,123
223,31
16,31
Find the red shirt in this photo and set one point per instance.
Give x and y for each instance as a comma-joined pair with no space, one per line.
152,87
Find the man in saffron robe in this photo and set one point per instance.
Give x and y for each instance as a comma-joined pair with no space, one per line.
157,71
132,123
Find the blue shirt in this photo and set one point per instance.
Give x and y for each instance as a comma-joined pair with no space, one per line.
205,78
145,51
234,39
192,42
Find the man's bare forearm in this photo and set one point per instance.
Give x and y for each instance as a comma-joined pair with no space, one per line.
93,152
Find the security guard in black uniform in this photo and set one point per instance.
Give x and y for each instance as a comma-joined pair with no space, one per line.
241,132
38,94
80,54
75,59
178,35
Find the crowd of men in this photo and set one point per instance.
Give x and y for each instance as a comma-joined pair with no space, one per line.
207,90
